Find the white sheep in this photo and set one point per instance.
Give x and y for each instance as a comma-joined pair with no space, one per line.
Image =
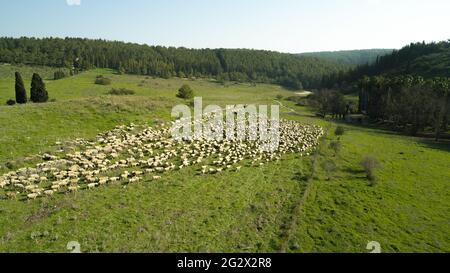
92,185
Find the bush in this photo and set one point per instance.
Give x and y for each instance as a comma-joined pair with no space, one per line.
186,92
102,80
280,97
340,131
121,92
328,166
370,164
59,75
336,146
10,102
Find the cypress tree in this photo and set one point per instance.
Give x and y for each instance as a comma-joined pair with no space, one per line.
38,92
21,93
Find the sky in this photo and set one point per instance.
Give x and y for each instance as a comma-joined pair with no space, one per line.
292,26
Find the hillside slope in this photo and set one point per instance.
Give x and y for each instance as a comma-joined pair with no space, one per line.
351,57
420,59
240,65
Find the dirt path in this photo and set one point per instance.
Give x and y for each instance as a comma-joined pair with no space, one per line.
283,106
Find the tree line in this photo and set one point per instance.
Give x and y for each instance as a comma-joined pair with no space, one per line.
427,60
411,103
292,71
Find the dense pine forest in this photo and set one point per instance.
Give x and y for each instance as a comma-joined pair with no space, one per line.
408,89
351,57
223,64
417,59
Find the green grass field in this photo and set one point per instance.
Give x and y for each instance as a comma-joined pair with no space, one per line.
268,209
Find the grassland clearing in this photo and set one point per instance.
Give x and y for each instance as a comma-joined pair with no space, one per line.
245,211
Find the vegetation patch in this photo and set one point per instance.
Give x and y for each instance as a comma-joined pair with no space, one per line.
100,80
121,92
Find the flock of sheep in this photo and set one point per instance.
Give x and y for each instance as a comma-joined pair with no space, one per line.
128,154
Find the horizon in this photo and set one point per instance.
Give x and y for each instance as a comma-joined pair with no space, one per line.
251,24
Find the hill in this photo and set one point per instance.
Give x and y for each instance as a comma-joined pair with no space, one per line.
418,59
224,64
351,57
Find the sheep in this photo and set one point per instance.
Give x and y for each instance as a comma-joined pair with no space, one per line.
33,196
92,185
73,188
114,179
156,177
37,190
103,181
134,179
31,187
49,192
96,158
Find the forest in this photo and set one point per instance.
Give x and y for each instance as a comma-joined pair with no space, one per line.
407,90
412,104
422,59
292,71
351,57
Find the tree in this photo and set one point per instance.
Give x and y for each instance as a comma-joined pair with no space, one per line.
340,131
39,93
185,92
329,102
441,89
21,93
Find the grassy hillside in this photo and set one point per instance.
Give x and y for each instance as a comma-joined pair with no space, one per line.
351,57
260,209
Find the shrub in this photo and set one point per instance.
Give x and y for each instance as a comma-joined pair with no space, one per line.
370,164
186,92
328,166
340,131
280,97
121,92
10,102
21,93
102,80
336,146
39,93
59,75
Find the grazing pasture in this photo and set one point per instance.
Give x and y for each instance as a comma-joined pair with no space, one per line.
295,204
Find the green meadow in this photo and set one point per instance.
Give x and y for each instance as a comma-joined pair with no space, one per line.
294,205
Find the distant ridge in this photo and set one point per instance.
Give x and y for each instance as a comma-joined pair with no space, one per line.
351,57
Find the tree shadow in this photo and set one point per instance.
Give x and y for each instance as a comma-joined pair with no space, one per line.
442,145
354,171
301,178
425,139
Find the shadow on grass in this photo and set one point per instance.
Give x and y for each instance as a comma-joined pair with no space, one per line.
443,145
426,139
354,171
301,178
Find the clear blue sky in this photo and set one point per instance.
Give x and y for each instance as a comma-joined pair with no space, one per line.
281,25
